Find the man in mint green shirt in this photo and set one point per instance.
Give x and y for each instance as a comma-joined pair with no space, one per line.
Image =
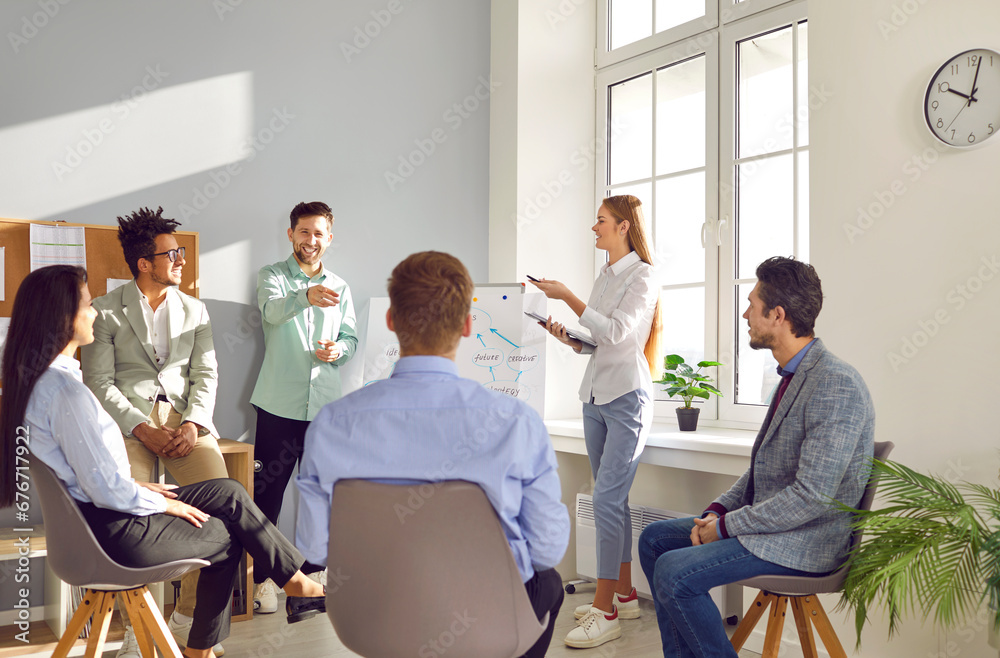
309,332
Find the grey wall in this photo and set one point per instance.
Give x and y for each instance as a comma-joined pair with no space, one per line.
333,121
342,126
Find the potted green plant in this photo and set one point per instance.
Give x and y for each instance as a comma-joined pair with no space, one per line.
685,381
934,547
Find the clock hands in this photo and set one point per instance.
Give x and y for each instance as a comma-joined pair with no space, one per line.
972,94
964,105
971,97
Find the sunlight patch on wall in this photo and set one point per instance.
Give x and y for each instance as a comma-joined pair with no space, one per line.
149,136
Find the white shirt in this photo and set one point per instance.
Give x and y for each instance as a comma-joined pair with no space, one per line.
69,431
619,315
156,322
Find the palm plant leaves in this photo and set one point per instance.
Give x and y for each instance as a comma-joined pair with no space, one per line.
930,549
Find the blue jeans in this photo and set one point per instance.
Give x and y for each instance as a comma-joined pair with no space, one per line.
680,576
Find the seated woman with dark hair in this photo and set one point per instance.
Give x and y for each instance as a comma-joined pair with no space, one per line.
138,524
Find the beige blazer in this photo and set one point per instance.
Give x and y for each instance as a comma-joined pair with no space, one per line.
120,365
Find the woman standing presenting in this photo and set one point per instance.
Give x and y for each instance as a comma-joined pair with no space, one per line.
622,316
138,524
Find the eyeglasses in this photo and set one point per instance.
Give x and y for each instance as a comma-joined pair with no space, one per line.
172,254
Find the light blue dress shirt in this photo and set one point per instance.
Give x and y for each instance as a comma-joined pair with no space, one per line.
425,423
293,382
789,370
793,363
70,432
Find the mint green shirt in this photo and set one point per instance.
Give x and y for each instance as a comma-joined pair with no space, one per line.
293,382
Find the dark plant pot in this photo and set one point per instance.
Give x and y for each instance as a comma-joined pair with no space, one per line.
687,419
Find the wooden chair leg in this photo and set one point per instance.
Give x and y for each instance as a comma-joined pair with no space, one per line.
77,622
142,637
812,606
775,624
142,606
803,625
753,614
102,620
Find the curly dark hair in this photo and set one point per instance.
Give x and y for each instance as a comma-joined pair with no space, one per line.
795,287
137,234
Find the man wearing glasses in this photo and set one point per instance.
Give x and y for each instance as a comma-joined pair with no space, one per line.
152,365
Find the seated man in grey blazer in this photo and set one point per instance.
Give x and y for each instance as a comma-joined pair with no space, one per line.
152,365
814,446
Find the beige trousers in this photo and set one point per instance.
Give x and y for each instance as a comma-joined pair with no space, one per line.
204,462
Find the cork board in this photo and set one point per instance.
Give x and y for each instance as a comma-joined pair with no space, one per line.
104,257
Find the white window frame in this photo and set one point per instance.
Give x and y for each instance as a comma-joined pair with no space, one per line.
717,41
764,22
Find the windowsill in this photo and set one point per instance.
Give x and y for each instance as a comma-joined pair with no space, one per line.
710,449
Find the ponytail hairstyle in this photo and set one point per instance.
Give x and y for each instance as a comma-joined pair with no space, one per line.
41,326
629,207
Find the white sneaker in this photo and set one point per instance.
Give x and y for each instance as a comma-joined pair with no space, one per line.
596,628
628,606
265,598
180,630
130,647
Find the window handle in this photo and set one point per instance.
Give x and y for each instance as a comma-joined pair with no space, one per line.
704,232
722,228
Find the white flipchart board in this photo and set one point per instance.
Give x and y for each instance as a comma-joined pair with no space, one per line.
506,351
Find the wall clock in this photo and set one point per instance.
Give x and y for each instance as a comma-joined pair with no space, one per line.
962,103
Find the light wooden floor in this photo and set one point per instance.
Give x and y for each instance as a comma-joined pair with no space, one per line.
271,636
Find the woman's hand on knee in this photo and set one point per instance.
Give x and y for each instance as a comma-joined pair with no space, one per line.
189,513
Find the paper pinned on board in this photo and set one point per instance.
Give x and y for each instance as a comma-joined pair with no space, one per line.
4,327
57,245
117,283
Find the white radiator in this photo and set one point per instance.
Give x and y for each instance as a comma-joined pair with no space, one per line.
729,599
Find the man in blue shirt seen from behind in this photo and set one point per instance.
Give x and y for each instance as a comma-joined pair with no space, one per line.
425,423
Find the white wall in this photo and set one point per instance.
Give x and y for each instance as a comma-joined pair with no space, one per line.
542,199
874,59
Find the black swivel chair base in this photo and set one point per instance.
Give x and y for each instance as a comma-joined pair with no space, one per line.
147,622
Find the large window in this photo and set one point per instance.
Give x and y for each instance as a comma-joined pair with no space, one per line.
710,130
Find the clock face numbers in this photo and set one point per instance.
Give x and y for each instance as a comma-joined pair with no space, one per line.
962,103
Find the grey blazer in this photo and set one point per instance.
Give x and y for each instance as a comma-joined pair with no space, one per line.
120,365
814,447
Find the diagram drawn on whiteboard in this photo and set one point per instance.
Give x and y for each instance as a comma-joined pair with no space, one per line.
505,351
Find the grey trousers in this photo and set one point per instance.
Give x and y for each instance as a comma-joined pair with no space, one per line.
615,434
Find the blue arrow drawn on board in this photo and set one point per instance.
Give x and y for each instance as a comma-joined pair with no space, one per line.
518,375
504,337
491,373
480,337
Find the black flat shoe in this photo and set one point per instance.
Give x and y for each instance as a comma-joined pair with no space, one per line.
300,608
